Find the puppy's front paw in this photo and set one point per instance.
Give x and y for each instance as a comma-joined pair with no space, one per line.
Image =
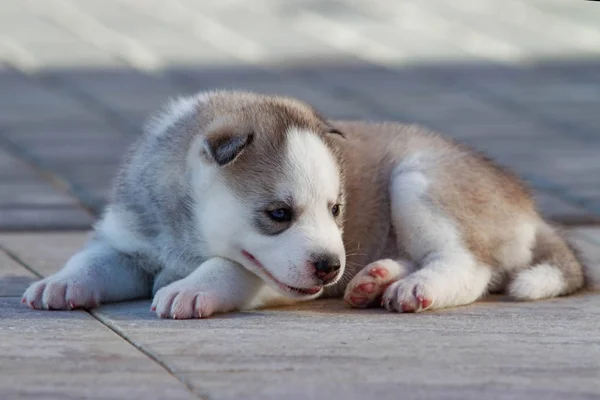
181,301
366,288
61,293
412,294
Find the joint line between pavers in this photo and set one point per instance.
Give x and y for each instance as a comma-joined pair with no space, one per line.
112,117
113,328
55,179
147,353
54,85
18,260
564,129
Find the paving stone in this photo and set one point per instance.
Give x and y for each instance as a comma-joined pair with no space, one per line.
90,174
44,218
27,201
555,208
12,169
30,101
539,349
324,349
587,241
52,251
14,278
590,234
120,89
58,355
32,194
64,132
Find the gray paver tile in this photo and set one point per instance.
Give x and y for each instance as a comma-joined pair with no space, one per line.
304,353
127,57
58,355
540,349
12,169
555,208
27,201
323,349
591,234
120,89
51,250
30,101
587,241
31,194
14,278
44,218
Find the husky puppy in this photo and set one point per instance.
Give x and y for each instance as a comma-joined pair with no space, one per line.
236,200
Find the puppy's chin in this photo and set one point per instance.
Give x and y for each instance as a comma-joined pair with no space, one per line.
291,291
298,292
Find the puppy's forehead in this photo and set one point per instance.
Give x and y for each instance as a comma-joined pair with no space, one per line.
278,126
311,171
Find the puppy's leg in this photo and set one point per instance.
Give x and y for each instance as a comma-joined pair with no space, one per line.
449,274
367,287
217,285
97,274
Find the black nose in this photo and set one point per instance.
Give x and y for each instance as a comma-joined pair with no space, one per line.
326,268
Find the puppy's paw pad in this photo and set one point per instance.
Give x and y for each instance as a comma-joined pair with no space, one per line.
378,272
369,284
408,295
367,287
183,303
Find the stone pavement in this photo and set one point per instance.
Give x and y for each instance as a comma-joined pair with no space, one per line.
494,349
79,77
519,79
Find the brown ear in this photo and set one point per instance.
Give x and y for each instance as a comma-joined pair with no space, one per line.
335,131
225,146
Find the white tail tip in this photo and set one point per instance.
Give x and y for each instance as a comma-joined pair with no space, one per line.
538,282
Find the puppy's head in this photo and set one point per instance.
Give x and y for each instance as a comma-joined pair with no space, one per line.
266,173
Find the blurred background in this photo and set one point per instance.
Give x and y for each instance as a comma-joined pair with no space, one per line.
519,79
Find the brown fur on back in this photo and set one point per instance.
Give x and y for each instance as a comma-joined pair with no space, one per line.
488,204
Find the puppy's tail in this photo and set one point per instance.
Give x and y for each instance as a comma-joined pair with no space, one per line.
556,269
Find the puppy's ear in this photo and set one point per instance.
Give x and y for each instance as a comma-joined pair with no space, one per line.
335,131
225,146
331,130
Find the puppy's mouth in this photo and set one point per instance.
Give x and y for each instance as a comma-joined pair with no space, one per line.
282,286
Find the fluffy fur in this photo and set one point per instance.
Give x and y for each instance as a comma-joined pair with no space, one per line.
386,213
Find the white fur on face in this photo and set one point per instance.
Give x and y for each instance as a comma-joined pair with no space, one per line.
311,178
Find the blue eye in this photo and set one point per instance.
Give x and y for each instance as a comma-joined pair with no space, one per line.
280,214
335,210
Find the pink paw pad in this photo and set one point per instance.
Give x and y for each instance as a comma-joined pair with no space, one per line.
368,287
378,272
358,300
425,303
407,308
